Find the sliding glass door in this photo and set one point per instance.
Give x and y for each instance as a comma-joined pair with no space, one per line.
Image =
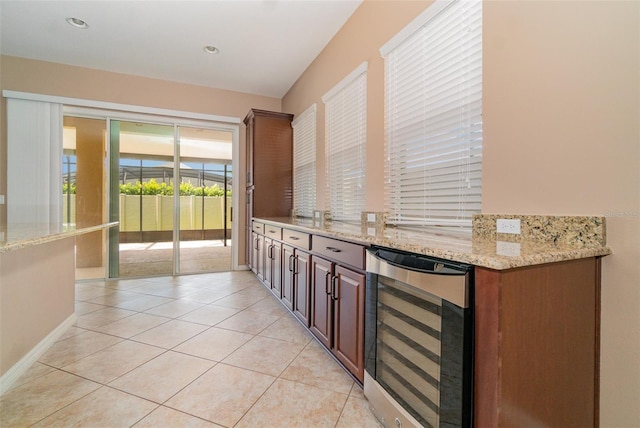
171,192
205,200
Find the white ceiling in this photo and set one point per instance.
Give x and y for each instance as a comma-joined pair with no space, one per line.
265,45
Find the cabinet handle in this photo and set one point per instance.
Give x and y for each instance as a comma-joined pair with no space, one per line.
326,283
270,252
296,267
294,238
290,265
333,249
334,288
257,244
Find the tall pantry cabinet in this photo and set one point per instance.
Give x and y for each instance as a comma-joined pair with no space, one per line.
269,169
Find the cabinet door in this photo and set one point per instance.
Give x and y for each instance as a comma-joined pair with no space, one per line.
301,286
268,262
260,257
321,302
271,172
348,319
276,260
255,253
287,275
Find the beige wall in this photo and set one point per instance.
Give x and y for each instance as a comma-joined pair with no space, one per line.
561,137
37,296
561,112
18,74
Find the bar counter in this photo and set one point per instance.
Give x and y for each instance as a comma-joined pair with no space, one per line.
37,291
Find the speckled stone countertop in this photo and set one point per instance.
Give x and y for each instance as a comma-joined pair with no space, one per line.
543,239
21,235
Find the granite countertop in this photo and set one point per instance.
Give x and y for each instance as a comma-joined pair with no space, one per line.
543,239
22,235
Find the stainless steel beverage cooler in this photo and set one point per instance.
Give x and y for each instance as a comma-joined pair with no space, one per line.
418,340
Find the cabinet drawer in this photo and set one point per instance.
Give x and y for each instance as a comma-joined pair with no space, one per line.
273,232
258,227
299,239
344,252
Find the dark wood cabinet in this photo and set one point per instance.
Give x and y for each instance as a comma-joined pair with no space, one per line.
295,281
287,275
301,285
296,272
337,301
267,277
348,320
337,312
257,254
321,300
321,281
273,258
274,266
269,188
536,348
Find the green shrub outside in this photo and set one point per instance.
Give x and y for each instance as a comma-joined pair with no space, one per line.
152,187
68,189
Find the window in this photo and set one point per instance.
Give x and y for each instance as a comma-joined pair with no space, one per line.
345,140
433,117
304,162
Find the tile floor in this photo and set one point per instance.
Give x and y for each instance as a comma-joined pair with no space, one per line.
210,350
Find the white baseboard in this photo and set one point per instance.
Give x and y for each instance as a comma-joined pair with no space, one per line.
25,363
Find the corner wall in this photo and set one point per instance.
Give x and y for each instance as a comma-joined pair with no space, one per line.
561,137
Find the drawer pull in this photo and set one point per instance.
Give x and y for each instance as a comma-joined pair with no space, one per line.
294,238
333,249
271,231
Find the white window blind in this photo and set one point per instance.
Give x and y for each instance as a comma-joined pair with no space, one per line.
34,162
345,145
433,117
304,162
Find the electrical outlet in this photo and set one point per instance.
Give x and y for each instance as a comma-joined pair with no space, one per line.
504,225
371,217
1,199
510,249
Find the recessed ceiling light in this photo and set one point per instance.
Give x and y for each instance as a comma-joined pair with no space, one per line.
78,23
211,50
